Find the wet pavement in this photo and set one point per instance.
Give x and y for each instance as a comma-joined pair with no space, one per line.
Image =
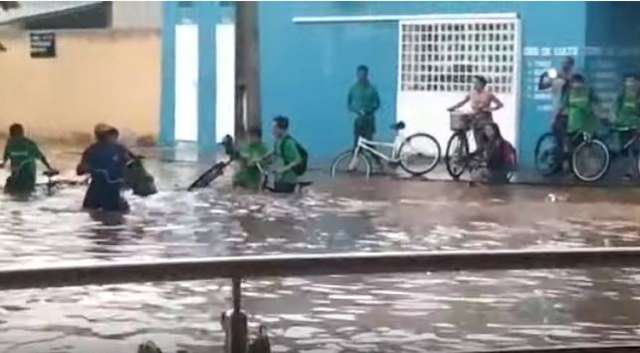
392,313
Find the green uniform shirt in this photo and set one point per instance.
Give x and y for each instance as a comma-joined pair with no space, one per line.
581,117
23,154
249,176
363,97
286,151
628,109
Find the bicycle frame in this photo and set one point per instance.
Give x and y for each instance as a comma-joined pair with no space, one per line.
368,145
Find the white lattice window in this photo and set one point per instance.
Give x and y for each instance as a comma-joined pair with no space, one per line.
443,56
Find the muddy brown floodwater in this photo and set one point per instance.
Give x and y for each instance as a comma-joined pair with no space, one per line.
392,313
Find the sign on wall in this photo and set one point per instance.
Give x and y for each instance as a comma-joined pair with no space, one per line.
43,45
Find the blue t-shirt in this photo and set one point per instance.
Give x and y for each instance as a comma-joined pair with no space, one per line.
106,160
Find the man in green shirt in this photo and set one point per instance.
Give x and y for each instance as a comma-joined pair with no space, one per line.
580,101
628,118
286,155
363,101
628,104
249,155
22,153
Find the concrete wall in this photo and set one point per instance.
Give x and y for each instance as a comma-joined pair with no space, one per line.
136,14
97,76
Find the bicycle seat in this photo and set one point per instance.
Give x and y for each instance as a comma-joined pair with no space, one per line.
50,173
398,126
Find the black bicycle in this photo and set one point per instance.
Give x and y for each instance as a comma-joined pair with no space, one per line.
457,155
588,155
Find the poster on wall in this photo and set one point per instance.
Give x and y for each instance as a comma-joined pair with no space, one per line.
43,45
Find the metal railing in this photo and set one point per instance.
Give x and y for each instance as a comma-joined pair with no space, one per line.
238,268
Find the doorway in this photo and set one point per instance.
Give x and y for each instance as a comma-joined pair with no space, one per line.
186,83
438,59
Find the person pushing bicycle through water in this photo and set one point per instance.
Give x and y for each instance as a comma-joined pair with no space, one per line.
483,103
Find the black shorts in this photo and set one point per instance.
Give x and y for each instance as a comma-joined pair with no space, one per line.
282,188
560,123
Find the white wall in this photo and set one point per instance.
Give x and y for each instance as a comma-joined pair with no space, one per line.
137,14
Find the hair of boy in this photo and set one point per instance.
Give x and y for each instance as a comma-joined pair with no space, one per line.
282,122
16,130
481,79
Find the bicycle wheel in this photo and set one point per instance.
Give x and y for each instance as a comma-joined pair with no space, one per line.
345,164
457,154
419,154
548,154
590,160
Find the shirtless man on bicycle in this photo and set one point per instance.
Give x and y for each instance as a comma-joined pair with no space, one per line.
483,104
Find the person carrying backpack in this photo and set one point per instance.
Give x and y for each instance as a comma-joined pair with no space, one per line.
289,157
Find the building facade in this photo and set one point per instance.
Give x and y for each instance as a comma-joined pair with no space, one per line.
421,56
106,68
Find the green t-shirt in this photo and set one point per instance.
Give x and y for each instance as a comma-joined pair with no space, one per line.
285,152
363,97
23,153
581,116
249,175
628,109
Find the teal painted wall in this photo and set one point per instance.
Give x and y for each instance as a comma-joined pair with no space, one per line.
205,15
613,40
306,69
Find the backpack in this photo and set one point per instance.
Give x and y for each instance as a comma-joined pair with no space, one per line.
301,167
138,179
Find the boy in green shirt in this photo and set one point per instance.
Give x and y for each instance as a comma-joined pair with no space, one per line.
364,101
628,104
286,155
579,102
628,118
249,176
23,153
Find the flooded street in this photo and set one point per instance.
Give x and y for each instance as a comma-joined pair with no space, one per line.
390,313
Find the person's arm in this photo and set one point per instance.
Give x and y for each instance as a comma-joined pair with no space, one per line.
42,157
350,102
545,82
83,166
498,104
129,156
44,161
460,104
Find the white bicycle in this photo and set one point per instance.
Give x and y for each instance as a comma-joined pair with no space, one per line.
417,154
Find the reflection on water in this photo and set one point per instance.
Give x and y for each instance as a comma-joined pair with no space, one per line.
408,313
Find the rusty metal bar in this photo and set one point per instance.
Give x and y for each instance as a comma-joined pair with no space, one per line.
311,265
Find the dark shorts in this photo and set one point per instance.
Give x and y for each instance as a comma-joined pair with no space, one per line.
364,126
104,196
480,120
283,188
560,123
20,183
